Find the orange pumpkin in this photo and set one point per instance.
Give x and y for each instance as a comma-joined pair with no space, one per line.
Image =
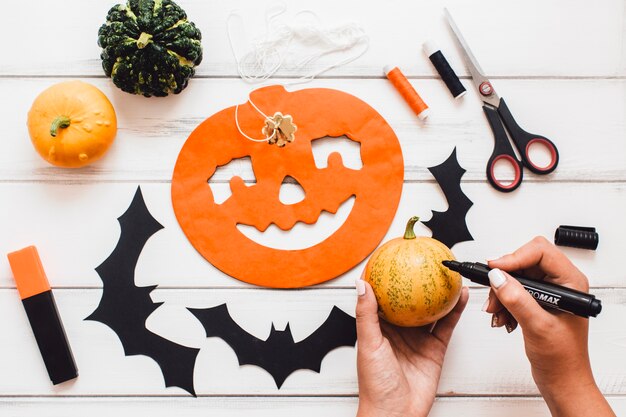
318,113
412,287
72,124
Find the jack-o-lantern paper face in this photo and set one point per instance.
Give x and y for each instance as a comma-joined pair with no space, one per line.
212,228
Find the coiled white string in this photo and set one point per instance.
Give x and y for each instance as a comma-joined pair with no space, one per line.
296,45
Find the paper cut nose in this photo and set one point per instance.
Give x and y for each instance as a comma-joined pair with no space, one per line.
291,192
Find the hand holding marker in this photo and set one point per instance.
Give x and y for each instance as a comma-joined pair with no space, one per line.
548,295
556,344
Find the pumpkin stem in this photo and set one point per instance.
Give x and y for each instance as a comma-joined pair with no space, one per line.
409,233
61,122
144,40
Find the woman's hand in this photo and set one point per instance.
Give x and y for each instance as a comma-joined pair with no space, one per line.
399,368
555,342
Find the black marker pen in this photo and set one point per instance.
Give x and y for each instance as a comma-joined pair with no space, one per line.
546,294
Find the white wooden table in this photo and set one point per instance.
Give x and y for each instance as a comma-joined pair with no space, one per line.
561,65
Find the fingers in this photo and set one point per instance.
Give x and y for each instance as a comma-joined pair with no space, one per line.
500,315
492,304
511,325
539,252
445,326
504,319
515,299
367,325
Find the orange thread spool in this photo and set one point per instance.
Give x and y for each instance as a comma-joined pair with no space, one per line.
404,87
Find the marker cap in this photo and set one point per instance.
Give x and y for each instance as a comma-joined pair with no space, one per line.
30,278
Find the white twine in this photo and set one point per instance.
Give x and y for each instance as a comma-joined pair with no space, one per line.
295,45
279,46
266,117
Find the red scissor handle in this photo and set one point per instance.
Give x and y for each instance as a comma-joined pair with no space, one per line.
554,156
502,151
523,141
499,184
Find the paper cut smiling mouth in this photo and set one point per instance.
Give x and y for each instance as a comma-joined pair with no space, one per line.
301,235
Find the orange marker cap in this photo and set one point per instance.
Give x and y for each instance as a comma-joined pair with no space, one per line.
28,272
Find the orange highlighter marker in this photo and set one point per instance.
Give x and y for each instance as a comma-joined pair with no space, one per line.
42,313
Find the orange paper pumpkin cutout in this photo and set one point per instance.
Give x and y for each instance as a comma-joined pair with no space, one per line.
212,228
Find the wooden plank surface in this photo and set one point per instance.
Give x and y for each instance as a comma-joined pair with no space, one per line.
277,407
75,228
560,64
539,39
152,131
481,360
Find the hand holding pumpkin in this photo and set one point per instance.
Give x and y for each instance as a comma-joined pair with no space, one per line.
399,367
556,343
399,364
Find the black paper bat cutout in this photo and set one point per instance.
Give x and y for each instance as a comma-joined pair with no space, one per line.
449,227
279,354
125,307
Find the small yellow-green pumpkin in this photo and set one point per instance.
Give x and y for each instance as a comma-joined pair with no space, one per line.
411,285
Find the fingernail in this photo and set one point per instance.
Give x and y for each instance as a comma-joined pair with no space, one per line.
484,308
509,328
495,258
496,278
494,320
360,287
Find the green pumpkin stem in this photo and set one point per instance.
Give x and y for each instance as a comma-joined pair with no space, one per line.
144,40
409,233
61,122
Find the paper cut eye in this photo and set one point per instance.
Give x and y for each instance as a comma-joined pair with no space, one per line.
238,167
349,150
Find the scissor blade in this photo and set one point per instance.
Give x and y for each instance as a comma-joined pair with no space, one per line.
475,70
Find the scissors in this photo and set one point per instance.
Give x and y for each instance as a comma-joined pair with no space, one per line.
498,113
